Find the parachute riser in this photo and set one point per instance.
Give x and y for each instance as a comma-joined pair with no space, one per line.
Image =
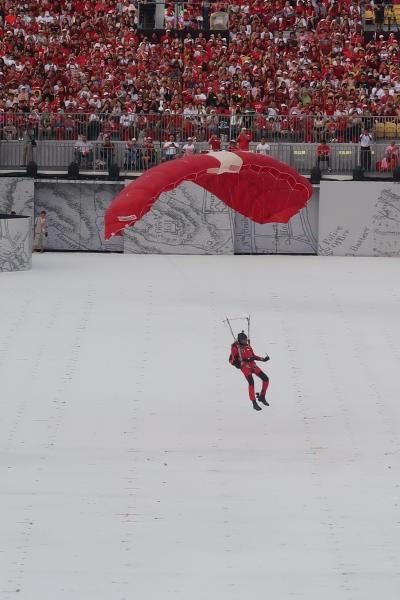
248,328
228,320
228,323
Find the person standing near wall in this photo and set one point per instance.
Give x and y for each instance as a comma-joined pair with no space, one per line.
365,144
263,147
107,149
40,232
392,154
29,143
189,148
214,143
244,139
171,148
323,154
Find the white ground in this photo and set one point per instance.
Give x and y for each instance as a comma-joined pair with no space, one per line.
132,464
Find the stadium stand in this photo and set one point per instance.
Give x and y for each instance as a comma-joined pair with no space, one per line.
288,70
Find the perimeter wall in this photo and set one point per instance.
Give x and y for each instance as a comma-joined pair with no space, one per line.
341,219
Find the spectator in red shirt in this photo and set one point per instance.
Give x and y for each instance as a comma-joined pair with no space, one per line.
215,143
392,156
244,139
323,155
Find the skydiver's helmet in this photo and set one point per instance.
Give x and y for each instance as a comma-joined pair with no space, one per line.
242,338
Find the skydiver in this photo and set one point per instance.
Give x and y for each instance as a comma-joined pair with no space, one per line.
242,357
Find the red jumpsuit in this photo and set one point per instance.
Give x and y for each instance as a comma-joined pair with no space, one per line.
243,357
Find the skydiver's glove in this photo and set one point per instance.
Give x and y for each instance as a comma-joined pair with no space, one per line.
266,358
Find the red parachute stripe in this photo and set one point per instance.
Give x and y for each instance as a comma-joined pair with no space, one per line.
257,186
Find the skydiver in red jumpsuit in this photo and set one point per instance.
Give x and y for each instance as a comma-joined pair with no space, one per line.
243,357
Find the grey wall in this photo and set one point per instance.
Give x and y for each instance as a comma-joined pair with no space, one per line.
15,244
342,218
187,220
17,193
75,213
359,219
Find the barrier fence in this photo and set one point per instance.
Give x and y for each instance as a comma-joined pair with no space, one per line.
122,127
98,157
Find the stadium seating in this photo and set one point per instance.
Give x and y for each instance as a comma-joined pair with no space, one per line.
74,67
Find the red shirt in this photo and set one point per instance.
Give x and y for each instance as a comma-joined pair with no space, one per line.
243,141
10,19
323,150
215,144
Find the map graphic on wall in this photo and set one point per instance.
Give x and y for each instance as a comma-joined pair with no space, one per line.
363,220
185,220
16,194
386,223
15,243
75,214
298,236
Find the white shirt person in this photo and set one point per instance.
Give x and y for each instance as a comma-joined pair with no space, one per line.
365,150
365,139
263,148
171,148
40,231
189,148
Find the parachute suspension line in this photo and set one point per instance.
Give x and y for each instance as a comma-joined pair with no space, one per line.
228,323
228,320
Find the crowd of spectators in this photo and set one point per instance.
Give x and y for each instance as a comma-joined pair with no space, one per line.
285,69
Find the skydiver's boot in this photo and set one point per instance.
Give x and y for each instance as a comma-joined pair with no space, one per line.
262,399
255,405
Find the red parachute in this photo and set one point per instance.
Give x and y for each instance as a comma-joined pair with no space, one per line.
256,186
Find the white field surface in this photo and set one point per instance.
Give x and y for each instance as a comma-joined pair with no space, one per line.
132,464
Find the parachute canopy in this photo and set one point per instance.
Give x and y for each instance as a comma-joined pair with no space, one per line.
256,186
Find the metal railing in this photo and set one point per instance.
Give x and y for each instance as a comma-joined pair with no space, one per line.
57,156
94,156
95,127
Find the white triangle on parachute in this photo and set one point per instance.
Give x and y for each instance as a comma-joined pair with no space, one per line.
229,162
